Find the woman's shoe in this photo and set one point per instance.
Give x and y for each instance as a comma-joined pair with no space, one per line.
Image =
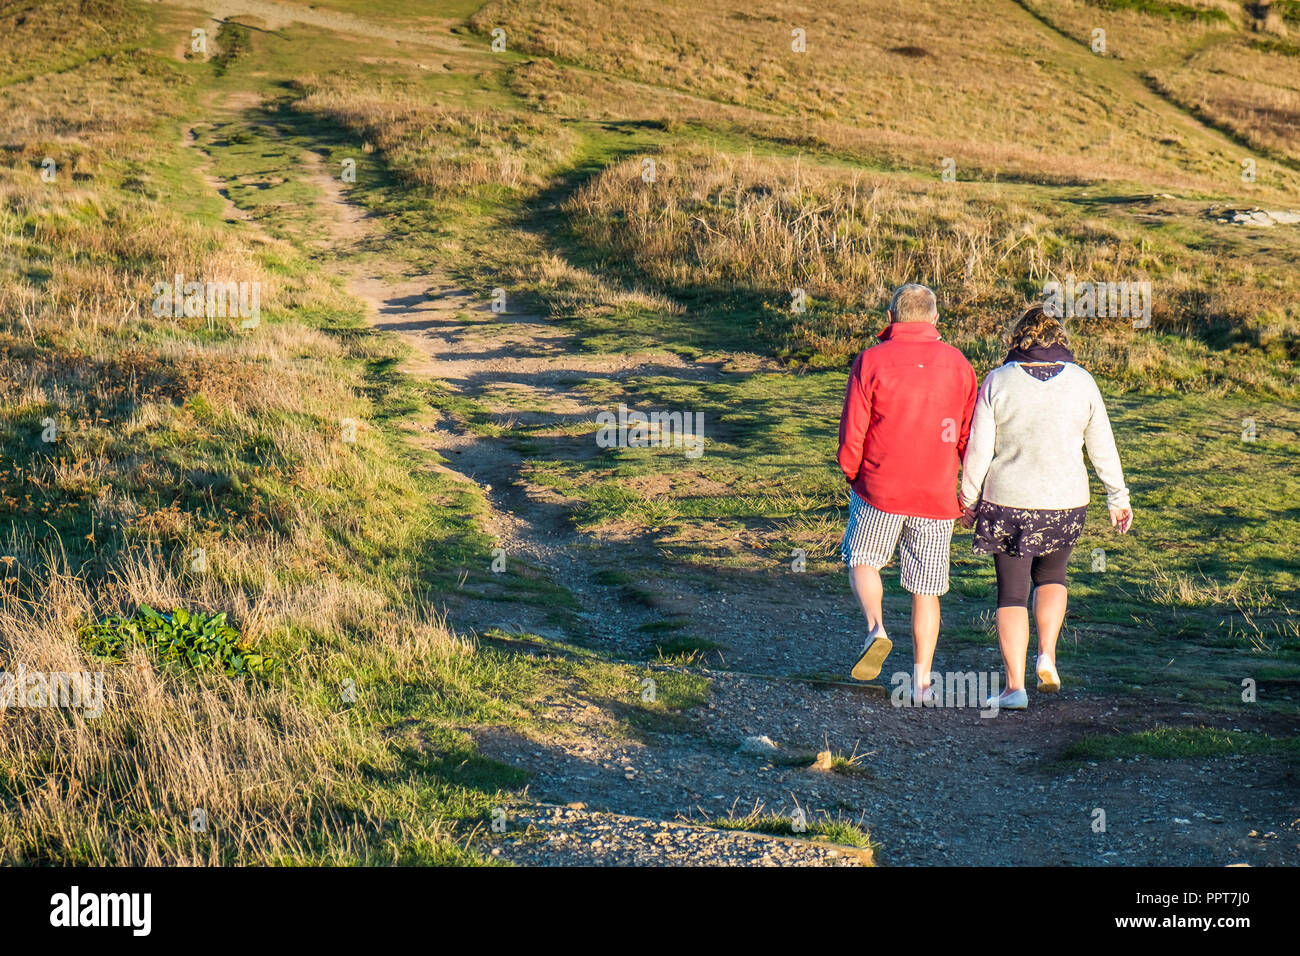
872,657
1049,682
1009,700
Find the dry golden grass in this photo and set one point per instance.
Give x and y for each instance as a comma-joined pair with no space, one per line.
714,222
58,35
1241,73
275,777
1137,34
903,83
1238,85
451,149
567,91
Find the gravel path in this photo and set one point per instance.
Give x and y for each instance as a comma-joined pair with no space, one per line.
539,835
1019,805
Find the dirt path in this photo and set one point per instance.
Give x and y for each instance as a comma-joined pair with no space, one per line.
276,15
230,212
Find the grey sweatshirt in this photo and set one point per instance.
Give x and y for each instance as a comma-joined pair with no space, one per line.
1027,438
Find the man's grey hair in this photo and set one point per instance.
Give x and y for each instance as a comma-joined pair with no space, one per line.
913,303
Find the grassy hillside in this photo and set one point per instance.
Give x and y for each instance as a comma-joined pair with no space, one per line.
281,474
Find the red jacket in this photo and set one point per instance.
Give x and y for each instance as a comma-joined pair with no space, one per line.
906,419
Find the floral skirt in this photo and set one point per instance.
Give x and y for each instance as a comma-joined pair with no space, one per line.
1026,532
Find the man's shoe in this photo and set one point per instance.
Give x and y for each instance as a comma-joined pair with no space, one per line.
1009,700
1049,682
872,658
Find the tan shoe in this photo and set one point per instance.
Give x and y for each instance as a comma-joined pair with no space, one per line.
872,658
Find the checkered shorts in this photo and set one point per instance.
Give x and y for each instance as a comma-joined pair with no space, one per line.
922,543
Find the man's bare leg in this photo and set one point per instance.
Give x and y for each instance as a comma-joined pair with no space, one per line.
867,588
925,638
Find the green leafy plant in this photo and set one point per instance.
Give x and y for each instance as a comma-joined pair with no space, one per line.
203,642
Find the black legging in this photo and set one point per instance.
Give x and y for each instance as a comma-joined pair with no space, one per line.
1017,577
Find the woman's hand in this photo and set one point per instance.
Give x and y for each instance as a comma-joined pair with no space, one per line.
967,517
1121,518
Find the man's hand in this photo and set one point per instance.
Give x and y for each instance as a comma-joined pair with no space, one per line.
967,517
1121,518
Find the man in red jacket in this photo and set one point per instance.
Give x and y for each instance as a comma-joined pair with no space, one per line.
906,419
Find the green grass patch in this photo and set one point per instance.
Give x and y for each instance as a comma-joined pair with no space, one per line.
825,829
683,648
1162,8
1177,743
233,40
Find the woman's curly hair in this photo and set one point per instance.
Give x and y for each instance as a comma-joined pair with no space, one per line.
1037,328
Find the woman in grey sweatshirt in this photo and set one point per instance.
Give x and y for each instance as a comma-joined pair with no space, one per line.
1024,487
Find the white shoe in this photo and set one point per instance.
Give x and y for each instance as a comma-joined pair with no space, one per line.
1049,682
1009,700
